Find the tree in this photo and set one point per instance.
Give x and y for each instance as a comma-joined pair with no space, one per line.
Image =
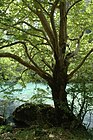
45,37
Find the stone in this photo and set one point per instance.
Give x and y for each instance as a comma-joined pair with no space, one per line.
30,114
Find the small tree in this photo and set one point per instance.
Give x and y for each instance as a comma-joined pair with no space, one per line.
44,36
80,99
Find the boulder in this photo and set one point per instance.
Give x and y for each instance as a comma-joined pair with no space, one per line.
29,114
2,120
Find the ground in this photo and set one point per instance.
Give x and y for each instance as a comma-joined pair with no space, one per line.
37,132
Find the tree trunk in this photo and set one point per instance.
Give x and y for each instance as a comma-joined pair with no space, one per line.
59,94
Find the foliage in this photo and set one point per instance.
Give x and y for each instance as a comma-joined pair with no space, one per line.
5,128
80,93
41,96
80,99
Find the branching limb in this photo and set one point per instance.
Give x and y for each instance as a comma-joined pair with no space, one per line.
31,59
19,59
44,37
40,72
52,17
79,66
46,25
72,6
44,22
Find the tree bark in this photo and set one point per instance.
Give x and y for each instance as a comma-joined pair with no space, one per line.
59,93
63,114
60,71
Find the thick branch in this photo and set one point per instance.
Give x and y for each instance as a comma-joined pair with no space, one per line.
26,50
42,74
46,25
62,30
42,7
52,17
17,58
36,29
72,6
79,66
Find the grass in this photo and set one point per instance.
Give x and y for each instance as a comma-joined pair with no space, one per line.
37,132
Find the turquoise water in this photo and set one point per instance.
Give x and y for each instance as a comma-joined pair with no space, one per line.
25,94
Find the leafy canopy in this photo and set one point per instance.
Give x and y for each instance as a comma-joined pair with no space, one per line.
28,29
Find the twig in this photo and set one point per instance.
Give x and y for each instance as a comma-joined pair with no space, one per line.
72,6
84,59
